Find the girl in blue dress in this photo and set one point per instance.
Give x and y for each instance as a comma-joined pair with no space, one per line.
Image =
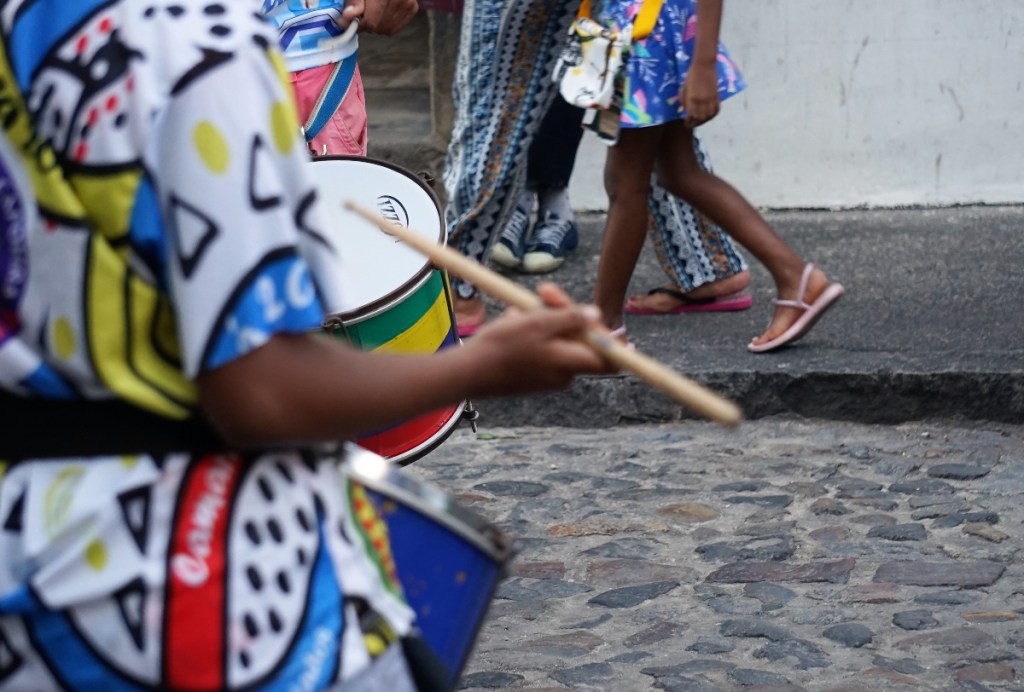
676,79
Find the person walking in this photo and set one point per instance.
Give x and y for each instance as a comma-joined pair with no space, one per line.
541,246
678,85
502,90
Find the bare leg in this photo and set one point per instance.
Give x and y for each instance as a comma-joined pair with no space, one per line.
627,175
720,201
697,255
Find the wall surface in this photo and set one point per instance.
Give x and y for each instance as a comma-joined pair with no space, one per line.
865,103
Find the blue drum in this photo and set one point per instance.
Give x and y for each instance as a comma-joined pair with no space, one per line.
448,559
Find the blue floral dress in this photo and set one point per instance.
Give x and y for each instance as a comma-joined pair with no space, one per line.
657,65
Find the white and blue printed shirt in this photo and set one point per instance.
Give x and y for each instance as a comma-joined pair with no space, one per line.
310,31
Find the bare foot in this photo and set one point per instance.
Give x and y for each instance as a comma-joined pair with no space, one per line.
784,316
470,314
664,302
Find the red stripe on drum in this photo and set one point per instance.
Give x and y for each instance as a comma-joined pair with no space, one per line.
406,442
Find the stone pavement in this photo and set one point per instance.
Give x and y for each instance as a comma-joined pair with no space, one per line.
783,555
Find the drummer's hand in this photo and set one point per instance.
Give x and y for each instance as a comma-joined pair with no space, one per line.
387,17
539,350
353,10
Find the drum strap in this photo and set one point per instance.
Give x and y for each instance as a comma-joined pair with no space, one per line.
335,91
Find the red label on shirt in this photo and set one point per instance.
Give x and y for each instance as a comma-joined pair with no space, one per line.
196,577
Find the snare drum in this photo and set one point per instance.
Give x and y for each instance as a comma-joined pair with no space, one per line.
449,560
387,296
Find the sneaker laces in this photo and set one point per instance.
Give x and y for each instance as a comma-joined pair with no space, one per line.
516,227
552,232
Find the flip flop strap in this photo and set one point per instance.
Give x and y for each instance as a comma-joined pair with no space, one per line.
804,280
792,304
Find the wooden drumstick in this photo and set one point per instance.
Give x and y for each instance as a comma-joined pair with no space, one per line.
659,376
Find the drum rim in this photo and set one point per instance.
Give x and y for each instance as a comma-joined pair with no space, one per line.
383,303
472,527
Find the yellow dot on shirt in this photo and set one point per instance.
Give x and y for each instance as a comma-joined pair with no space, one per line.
282,125
47,159
96,555
64,342
212,147
375,644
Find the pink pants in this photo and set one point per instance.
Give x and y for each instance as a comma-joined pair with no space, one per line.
345,132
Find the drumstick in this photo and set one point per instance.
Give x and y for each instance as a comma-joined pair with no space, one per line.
659,376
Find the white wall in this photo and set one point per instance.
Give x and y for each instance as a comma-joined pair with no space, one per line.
865,103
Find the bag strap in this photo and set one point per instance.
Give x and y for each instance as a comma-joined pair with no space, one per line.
645,20
644,23
334,92
336,87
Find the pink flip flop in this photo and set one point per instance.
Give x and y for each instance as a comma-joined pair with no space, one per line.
812,312
730,303
469,329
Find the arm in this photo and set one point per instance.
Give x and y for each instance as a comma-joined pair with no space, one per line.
700,89
388,17
313,387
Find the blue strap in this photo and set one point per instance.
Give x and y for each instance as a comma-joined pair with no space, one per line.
335,91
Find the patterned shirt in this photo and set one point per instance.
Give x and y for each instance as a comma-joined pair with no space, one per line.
130,263
158,220
310,31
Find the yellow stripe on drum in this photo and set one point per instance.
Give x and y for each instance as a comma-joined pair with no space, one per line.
421,323
429,334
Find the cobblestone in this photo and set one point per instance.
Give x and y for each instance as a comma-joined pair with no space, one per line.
785,555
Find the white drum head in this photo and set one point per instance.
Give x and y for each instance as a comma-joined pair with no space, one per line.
372,267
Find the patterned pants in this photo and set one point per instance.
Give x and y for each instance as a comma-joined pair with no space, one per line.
502,89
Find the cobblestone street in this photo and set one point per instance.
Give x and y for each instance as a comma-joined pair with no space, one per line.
785,555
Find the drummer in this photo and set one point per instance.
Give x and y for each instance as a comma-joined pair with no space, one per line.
321,55
157,318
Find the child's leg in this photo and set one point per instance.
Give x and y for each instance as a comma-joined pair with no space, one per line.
680,173
627,178
699,257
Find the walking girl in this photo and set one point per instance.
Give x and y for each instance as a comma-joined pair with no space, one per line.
675,81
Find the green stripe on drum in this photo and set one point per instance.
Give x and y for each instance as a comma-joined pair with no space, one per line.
418,324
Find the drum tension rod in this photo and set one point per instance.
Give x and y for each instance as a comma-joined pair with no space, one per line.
471,415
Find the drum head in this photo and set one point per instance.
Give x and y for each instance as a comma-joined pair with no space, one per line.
374,268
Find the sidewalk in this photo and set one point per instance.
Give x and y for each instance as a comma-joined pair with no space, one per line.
931,326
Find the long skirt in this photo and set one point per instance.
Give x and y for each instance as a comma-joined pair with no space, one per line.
502,89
